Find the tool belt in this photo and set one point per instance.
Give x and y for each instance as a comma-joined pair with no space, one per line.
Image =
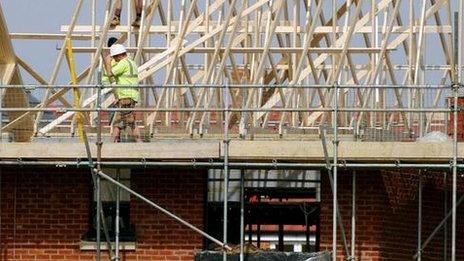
125,118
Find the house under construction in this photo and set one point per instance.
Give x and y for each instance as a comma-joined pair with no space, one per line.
268,125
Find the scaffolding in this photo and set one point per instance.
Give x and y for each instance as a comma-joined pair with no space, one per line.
324,70
331,163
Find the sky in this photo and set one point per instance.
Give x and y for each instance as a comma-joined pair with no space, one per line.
45,16
48,15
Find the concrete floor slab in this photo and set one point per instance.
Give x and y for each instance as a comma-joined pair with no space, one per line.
293,151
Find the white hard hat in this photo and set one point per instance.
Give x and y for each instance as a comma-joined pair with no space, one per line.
116,49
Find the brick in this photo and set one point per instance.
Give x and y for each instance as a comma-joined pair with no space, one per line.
52,208
51,211
387,214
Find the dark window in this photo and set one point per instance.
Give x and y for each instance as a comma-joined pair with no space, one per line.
282,208
108,197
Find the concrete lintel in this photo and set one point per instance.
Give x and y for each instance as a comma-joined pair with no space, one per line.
240,150
183,150
311,151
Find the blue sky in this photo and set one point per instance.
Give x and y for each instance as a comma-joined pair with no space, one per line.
46,16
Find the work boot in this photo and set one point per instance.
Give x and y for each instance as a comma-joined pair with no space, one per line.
116,21
136,22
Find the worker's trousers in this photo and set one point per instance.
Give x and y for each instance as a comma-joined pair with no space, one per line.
118,3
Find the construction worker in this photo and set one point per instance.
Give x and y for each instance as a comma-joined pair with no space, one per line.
121,70
117,13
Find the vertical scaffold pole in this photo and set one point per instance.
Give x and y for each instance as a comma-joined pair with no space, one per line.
98,179
335,170
226,166
455,89
455,152
242,213
419,220
455,170
116,221
100,218
353,217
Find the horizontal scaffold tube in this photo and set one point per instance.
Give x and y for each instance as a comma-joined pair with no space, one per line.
235,165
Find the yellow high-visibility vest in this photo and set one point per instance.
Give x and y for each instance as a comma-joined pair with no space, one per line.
126,73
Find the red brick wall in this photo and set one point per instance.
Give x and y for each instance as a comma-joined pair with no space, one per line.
369,211
44,213
387,215
158,236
